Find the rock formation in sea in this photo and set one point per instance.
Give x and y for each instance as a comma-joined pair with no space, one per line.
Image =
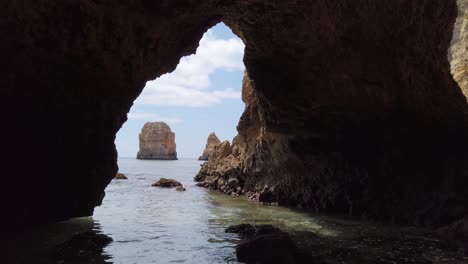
352,107
166,183
211,142
120,176
157,142
180,188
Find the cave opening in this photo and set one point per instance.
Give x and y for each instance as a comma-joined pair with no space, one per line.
202,95
352,110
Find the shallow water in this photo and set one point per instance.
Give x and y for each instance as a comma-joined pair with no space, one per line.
158,225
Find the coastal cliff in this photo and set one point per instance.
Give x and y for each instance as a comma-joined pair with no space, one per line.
157,142
211,142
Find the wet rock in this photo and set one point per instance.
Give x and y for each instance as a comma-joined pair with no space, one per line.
157,142
120,176
271,248
456,234
166,183
248,230
180,188
85,247
211,142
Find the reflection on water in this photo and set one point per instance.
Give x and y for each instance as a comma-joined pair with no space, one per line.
155,225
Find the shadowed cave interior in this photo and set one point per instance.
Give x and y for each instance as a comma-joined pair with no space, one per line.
351,107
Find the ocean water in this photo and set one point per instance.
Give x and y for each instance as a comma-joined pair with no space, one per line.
158,225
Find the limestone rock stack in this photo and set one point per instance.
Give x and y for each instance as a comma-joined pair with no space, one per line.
211,142
157,142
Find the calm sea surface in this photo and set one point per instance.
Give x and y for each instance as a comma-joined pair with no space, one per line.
157,225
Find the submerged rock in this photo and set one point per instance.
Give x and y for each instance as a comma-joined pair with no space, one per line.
180,188
120,176
211,142
157,142
84,247
277,247
266,244
166,183
248,230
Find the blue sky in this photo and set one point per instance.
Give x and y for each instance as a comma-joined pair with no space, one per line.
201,96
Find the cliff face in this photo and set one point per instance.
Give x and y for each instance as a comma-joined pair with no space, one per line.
211,142
458,54
157,142
353,107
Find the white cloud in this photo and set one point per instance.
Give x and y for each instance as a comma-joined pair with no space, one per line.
154,117
190,84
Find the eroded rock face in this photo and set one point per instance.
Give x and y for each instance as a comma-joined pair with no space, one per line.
157,142
458,54
211,142
355,109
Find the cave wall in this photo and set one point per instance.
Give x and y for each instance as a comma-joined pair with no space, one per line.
354,99
458,53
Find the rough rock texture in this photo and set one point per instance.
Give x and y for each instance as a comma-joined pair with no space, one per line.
458,54
120,176
211,142
157,142
355,109
166,183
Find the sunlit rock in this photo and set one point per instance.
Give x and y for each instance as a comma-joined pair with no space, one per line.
120,176
458,53
157,142
211,142
166,183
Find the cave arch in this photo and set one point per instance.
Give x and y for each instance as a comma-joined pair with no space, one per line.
359,92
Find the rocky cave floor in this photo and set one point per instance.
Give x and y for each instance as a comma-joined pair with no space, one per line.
384,245
352,242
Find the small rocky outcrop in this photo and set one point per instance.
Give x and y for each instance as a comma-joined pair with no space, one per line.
166,183
120,176
222,171
157,142
266,244
211,142
180,188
